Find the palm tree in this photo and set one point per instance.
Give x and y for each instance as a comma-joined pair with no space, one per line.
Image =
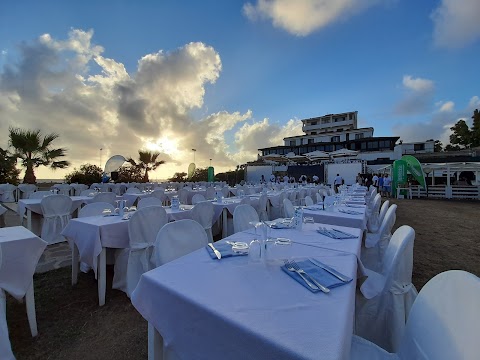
147,161
35,150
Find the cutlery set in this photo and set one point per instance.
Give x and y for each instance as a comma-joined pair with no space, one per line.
335,233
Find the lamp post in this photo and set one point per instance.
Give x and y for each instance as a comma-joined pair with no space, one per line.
194,151
101,157
210,162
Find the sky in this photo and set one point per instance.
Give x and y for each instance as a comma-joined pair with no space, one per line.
229,77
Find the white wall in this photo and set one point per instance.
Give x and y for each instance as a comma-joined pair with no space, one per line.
348,172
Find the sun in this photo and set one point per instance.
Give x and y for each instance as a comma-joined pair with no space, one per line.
164,145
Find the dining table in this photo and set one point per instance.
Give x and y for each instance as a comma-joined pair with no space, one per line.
350,215
242,307
89,237
35,205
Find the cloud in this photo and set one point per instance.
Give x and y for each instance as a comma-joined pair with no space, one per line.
419,93
69,87
438,126
302,17
456,23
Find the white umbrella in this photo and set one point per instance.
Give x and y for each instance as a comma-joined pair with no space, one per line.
298,158
343,152
317,155
274,157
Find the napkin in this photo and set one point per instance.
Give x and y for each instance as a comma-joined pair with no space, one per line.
314,208
279,224
350,212
336,234
320,275
225,250
355,206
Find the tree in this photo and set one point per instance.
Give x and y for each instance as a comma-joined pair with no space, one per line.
179,177
199,175
8,172
88,174
129,173
438,146
36,150
461,134
475,132
147,161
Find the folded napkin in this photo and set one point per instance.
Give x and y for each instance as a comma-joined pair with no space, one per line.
314,207
355,206
280,224
350,212
336,234
225,250
321,276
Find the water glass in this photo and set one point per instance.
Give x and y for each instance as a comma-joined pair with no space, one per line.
308,220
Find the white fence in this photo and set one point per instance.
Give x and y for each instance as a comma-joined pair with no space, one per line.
447,192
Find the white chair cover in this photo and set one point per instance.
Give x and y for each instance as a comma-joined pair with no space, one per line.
26,190
226,191
383,211
95,209
131,263
133,190
277,206
78,188
8,193
176,239
5,347
56,214
308,201
372,223
382,311
376,244
161,196
262,207
442,325
245,201
203,214
2,210
198,198
183,196
288,209
301,196
292,196
242,215
63,189
39,194
108,197
159,188
209,194
149,201
87,192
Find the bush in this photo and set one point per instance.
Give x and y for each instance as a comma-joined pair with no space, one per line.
88,174
8,172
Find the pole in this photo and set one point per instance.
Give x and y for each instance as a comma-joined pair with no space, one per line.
194,151
101,157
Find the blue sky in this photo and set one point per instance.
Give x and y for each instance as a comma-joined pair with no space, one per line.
228,77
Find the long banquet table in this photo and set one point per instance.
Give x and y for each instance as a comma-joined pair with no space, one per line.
237,309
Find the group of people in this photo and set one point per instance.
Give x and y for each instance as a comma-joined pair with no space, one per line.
382,182
303,179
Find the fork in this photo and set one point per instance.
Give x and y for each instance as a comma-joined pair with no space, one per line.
289,267
301,271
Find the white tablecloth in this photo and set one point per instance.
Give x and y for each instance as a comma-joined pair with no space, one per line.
235,309
34,205
338,218
21,250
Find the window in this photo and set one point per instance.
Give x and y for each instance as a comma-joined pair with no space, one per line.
313,133
385,144
358,136
363,145
313,123
325,121
292,143
335,139
328,148
351,116
339,130
373,145
418,147
310,141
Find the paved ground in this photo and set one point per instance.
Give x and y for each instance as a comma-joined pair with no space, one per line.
54,257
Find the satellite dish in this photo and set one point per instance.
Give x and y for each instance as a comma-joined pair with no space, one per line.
191,170
114,163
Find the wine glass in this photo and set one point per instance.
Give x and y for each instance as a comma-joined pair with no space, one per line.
117,206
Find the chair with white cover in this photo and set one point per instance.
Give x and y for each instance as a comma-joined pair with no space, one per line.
242,216
197,198
108,197
276,210
301,197
56,210
132,262
78,188
87,192
210,193
382,308
26,190
288,209
2,211
63,189
8,192
95,209
308,201
203,213
226,191
161,196
443,323
177,239
183,196
262,207
5,347
383,210
329,200
372,222
292,196
149,201
133,190
39,194
246,201
376,243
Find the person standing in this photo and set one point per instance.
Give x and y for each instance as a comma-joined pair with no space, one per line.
262,180
272,178
375,181
285,179
315,179
337,182
380,184
359,179
387,185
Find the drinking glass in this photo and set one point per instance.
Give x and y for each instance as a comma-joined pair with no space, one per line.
117,206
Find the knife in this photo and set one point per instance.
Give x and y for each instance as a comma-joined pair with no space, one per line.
218,254
330,270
